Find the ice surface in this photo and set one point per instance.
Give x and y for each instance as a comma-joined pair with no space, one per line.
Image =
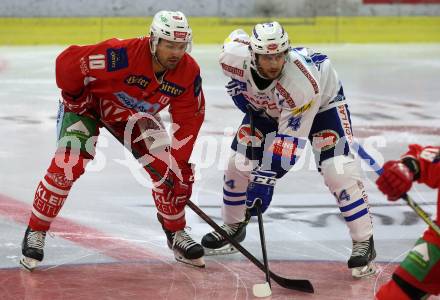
107,243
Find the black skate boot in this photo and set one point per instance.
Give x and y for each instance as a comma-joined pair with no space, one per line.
32,248
361,260
215,244
185,249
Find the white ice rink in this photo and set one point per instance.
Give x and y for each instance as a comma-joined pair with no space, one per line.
107,230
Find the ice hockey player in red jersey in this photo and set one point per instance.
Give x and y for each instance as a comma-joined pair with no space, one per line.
418,276
122,85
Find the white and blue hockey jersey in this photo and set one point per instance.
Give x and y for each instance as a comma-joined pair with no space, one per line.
308,84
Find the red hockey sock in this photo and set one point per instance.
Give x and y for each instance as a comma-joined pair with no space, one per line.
53,190
391,290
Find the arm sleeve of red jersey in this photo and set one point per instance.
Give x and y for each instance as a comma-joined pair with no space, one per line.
71,68
77,66
428,158
187,116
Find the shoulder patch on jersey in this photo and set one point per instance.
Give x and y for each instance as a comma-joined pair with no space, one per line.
117,59
197,85
140,81
308,75
318,58
233,70
171,89
285,95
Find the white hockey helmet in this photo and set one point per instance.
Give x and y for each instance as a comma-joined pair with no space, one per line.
172,26
269,38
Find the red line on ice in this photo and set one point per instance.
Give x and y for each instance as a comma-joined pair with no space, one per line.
3,64
82,235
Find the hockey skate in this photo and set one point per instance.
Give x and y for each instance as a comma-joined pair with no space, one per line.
361,260
185,249
32,248
215,244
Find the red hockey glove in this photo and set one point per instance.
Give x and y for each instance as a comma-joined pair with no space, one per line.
78,103
171,201
395,180
182,188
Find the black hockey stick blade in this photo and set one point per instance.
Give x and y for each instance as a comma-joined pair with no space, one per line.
302,285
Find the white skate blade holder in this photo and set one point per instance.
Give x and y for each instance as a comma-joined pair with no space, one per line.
365,271
262,290
29,263
198,262
225,250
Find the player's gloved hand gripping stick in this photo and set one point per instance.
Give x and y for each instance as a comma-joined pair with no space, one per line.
379,170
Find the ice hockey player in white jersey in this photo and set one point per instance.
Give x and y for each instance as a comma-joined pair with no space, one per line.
296,96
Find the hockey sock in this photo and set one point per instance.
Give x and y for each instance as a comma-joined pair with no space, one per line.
54,188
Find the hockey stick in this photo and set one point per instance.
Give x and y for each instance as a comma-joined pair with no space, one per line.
379,170
260,289
302,285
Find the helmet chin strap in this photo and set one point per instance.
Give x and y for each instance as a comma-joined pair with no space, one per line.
158,61
165,69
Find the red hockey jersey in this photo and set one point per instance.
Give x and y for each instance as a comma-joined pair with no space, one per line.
429,159
119,74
